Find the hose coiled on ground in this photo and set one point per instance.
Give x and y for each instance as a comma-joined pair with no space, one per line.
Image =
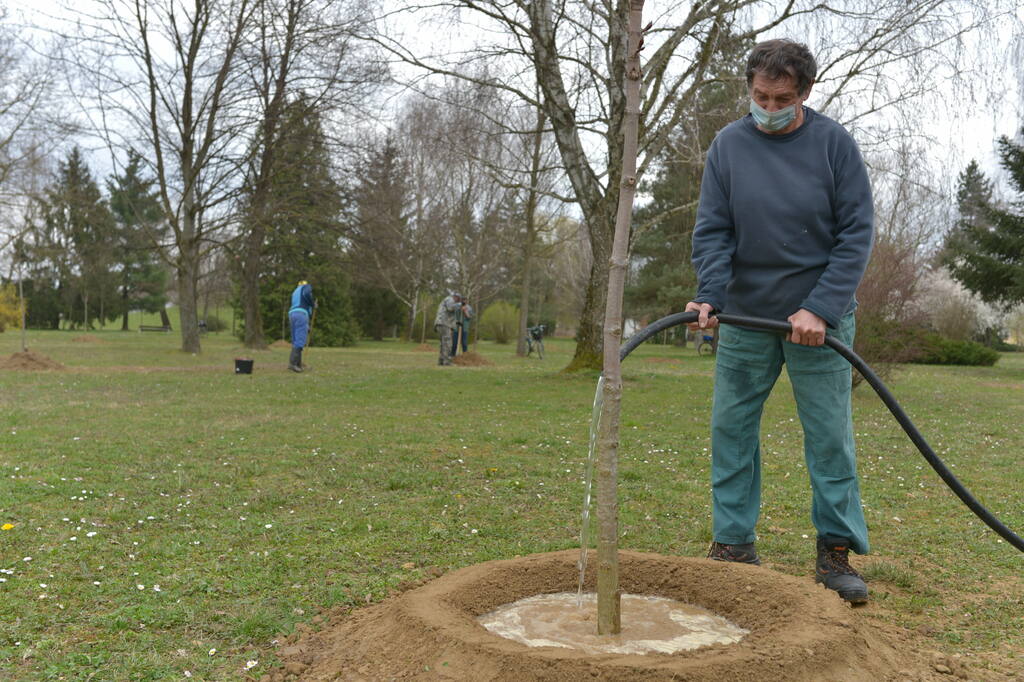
869,375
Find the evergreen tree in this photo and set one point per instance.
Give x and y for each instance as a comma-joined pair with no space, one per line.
662,280
304,211
393,236
73,245
136,209
376,310
985,250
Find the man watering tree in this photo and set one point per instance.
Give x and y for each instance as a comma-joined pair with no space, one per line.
784,231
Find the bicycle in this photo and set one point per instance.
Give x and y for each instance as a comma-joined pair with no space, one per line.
706,346
535,341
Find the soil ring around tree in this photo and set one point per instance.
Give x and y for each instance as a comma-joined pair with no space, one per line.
30,361
471,359
798,630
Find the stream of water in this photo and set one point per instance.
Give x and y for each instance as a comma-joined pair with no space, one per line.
588,485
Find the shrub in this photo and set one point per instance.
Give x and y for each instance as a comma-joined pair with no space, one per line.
884,344
499,322
215,324
938,350
10,307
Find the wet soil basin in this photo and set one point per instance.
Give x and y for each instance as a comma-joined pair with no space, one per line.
797,630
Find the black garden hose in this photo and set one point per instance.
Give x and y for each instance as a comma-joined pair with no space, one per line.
869,375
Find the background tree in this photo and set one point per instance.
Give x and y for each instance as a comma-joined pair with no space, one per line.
139,224
164,80
910,215
72,245
297,49
10,306
396,233
985,250
377,311
483,215
306,211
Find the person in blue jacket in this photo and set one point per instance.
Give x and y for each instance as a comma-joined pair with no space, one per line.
299,314
784,230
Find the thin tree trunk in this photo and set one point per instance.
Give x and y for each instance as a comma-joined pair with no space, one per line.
411,329
188,300
524,298
188,259
423,334
608,594
124,301
250,289
21,295
531,234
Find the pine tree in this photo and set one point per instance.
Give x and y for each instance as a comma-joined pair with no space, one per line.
985,249
72,246
394,234
303,239
136,209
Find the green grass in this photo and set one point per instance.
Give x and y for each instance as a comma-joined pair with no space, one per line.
255,501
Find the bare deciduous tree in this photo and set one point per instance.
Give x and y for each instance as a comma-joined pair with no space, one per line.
162,78
396,237
874,53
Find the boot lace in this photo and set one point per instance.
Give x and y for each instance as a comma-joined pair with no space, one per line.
838,561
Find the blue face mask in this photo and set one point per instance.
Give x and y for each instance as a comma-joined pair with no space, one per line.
772,120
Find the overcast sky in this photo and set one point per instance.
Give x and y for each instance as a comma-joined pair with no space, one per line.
964,121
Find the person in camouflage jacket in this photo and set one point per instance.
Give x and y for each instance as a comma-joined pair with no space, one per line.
445,323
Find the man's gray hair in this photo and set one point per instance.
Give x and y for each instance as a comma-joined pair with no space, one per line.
780,58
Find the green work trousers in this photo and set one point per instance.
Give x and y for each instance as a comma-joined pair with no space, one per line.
747,366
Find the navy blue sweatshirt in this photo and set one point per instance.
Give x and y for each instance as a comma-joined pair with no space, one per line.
784,221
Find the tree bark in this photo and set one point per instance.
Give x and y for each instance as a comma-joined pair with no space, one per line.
531,234
124,302
249,292
21,295
188,304
608,594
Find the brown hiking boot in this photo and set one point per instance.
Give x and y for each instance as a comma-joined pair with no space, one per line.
741,554
835,572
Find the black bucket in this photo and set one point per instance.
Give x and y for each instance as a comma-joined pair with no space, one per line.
243,366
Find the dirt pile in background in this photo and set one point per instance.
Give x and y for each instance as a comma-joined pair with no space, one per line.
29,361
798,631
471,359
281,343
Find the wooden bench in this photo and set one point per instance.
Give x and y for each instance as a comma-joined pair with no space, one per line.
153,328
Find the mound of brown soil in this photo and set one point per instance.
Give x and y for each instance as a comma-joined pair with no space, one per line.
281,343
471,359
29,361
798,631
86,338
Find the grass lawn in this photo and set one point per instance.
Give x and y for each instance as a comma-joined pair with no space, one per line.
170,516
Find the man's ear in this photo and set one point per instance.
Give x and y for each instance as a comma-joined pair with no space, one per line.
807,93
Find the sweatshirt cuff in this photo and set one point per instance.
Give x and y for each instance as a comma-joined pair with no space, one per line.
831,320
